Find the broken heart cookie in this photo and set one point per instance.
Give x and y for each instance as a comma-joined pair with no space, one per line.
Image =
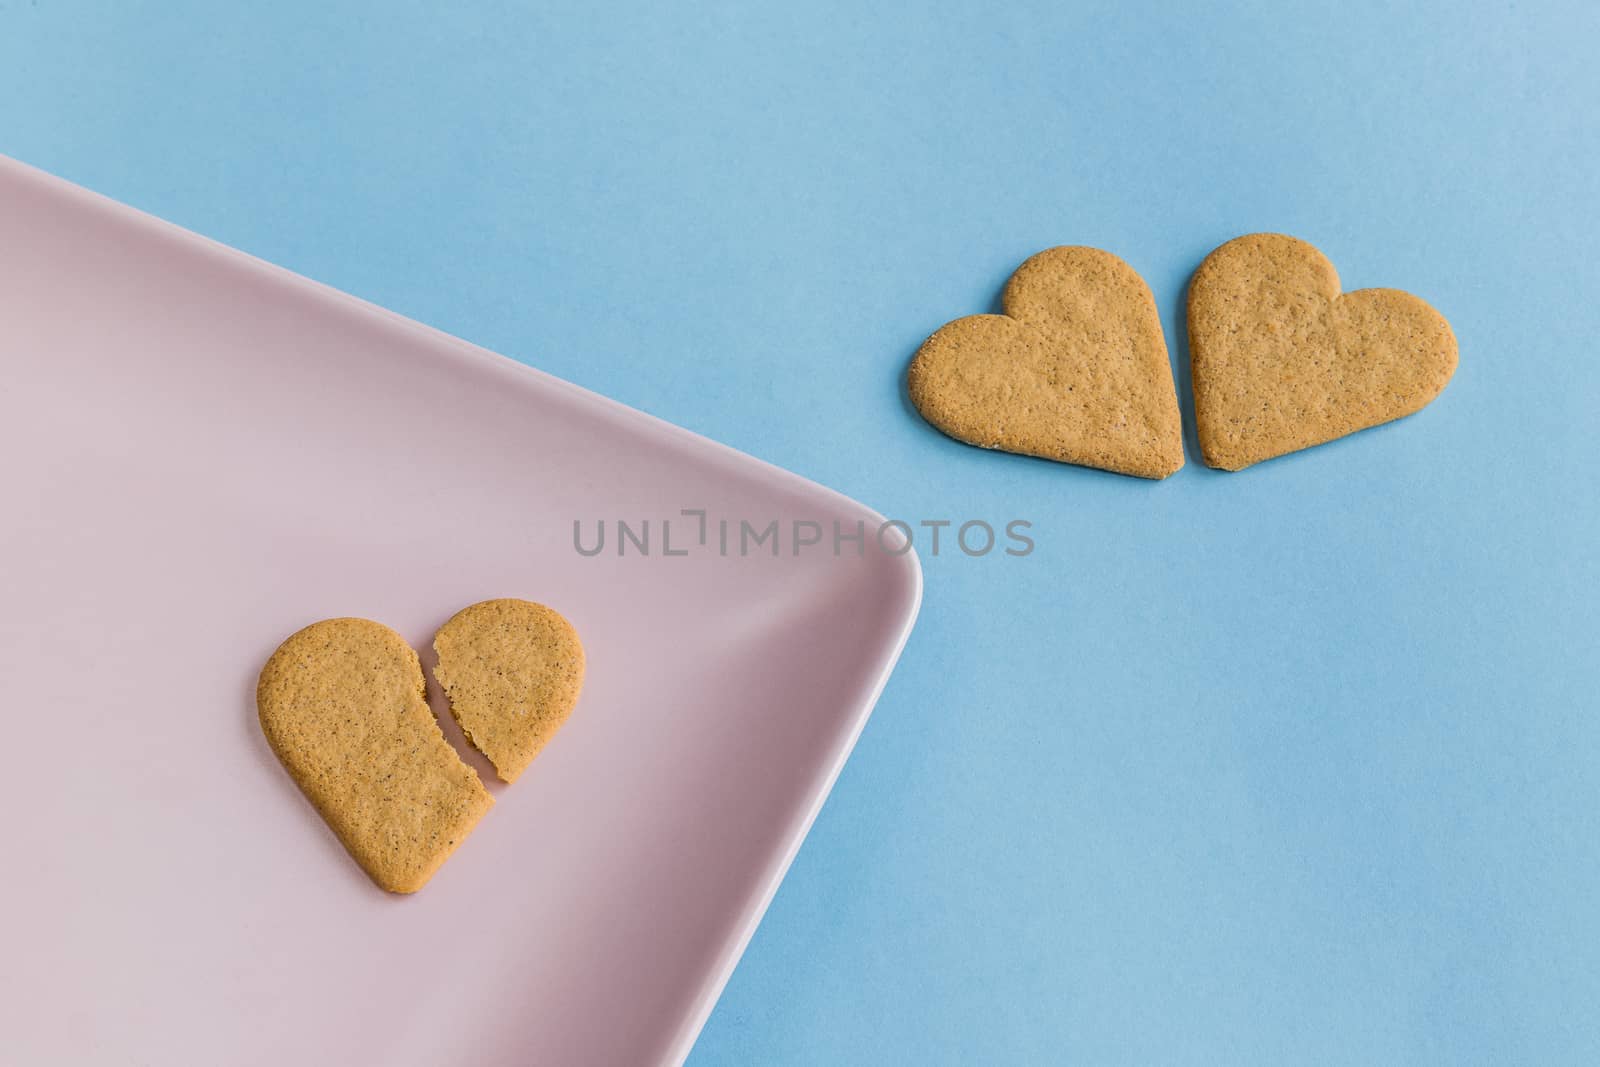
1282,361
1075,370
512,670
342,702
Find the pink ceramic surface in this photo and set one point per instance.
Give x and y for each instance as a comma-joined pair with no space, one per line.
205,453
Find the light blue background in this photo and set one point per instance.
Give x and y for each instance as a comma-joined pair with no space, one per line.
1295,765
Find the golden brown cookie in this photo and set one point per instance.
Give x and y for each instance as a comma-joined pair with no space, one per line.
1076,370
512,670
342,704
1282,361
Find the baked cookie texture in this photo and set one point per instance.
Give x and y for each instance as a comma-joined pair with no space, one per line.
512,670
1281,360
1075,370
342,703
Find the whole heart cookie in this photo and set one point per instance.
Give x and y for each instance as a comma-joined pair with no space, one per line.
1282,361
1075,370
512,670
342,703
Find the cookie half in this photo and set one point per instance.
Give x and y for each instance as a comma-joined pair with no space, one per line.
512,670
1283,361
343,705
1075,370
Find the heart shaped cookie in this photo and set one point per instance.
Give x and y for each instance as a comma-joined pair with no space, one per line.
1075,370
1282,361
512,670
342,703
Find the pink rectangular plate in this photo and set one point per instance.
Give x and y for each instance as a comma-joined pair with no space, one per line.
206,453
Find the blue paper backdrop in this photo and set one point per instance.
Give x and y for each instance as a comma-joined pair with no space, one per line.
1295,765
